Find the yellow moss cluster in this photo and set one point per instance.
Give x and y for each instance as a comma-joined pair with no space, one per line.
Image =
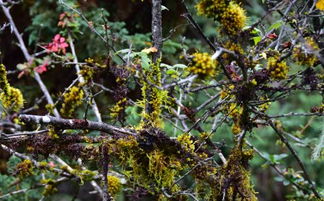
118,108
233,110
210,8
87,73
236,128
203,65
233,19
91,61
25,168
11,98
235,47
114,185
236,178
163,168
153,98
263,107
50,186
186,142
230,14
304,55
151,169
278,69
71,100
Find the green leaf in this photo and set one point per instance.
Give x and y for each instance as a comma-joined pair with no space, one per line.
257,39
276,25
171,71
145,61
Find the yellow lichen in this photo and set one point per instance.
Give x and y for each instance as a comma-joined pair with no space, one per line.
154,98
303,55
236,48
233,19
11,98
236,129
87,73
278,69
25,168
186,141
210,8
118,108
203,65
71,100
114,185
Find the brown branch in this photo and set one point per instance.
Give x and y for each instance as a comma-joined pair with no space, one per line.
157,28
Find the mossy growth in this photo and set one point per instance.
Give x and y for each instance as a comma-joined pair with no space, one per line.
86,73
229,13
114,185
11,98
116,110
50,186
25,168
153,170
203,65
153,97
304,55
71,100
229,182
211,8
233,19
278,69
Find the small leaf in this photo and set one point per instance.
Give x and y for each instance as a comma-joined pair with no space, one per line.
276,25
257,39
171,71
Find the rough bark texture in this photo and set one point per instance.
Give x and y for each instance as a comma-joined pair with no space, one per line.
157,28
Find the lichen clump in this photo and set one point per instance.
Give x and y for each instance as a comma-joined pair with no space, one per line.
236,178
233,19
230,14
210,8
278,69
303,55
186,141
11,98
233,110
25,168
154,98
71,100
114,185
203,65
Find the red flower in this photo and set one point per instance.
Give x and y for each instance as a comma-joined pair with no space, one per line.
41,68
58,44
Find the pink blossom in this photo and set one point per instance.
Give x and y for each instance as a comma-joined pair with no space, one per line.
58,44
41,68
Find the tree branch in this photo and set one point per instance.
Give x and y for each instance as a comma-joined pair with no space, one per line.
73,124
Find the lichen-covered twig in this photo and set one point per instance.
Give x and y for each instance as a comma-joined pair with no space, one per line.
73,124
